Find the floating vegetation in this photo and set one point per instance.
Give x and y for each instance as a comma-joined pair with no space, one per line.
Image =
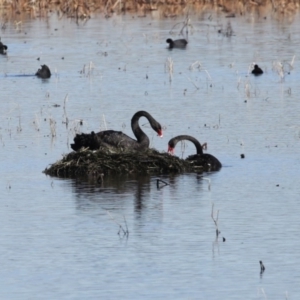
99,163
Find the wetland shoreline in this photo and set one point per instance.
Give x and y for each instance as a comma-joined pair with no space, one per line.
16,10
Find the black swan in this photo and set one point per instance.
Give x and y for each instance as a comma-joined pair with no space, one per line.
44,72
181,43
117,140
257,70
3,48
209,162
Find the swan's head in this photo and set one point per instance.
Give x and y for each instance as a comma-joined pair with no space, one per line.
169,41
160,133
170,149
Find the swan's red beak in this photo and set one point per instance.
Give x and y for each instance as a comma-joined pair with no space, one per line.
170,150
160,133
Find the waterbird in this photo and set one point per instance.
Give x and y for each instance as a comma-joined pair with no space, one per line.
209,161
3,48
181,43
43,72
117,140
257,70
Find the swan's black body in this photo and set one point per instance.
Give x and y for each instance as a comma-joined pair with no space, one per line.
3,48
117,140
43,72
208,161
257,70
181,43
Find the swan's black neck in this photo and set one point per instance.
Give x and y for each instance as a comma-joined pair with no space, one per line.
138,132
179,138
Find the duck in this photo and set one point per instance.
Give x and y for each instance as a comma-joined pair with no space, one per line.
180,43
3,48
44,72
257,70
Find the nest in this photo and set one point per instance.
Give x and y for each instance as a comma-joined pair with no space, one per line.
98,163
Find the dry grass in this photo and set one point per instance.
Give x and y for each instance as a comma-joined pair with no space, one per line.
83,9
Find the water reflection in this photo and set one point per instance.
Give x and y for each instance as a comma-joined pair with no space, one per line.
142,187
112,189
139,194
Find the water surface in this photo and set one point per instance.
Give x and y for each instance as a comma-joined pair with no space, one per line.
60,236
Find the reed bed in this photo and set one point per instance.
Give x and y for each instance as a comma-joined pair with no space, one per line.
83,9
98,163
